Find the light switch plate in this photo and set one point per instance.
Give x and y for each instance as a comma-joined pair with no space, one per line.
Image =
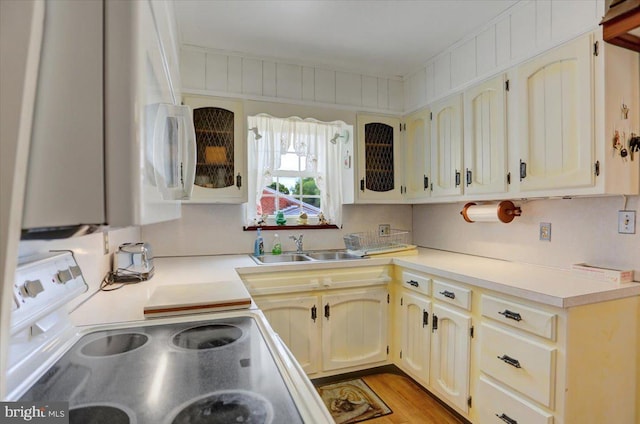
626,222
545,231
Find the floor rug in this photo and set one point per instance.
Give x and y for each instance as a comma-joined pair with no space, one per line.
352,401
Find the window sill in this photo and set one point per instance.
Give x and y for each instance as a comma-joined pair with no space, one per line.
290,227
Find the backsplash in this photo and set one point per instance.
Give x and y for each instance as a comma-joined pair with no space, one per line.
217,229
582,230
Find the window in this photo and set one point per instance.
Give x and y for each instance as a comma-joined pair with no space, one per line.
294,171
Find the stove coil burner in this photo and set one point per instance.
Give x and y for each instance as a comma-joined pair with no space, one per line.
99,414
207,336
224,407
114,344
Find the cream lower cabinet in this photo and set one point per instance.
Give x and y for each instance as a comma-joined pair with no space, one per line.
415,344
538,364
332,331
332,321
450,350
354,328
296,322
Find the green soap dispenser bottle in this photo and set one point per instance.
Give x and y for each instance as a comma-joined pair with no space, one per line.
277,246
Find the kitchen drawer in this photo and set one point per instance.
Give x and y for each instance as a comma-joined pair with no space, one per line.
535,321
523,364
416,282
497,405
453,294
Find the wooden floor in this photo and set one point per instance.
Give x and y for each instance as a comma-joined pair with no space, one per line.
409,402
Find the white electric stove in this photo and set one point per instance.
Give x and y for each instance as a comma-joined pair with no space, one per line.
222,367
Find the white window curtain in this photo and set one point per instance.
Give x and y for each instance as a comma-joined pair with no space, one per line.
312,139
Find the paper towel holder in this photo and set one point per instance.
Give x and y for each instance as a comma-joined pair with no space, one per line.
504,211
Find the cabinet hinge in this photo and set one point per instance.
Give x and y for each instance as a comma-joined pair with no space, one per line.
426,182
434,323
509,178
469,401
430,116
471,332
506,85
327,311
400,354
596,168
596,48
401,299
388,298
239,181
387,349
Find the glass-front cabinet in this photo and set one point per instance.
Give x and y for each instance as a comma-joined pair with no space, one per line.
379,156
220,140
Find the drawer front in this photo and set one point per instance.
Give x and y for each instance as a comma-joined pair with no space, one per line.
520,363
453,294
416,282
498,406
525,318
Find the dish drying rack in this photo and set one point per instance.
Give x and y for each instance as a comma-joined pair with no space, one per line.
372,243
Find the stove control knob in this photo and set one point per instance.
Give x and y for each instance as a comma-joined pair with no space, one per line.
32,288
64,276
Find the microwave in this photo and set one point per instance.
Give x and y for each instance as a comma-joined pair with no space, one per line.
110,143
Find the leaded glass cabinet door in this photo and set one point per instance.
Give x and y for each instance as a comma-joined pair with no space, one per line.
379,156
220,140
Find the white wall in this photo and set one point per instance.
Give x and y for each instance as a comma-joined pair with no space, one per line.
582,230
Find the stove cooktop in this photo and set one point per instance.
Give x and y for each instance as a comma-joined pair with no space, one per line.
215,371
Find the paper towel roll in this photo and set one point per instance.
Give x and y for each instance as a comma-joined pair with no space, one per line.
504,211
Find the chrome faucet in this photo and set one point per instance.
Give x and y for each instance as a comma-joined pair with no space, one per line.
298,242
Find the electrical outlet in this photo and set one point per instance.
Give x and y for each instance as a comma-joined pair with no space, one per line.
384,229
626,222
545,231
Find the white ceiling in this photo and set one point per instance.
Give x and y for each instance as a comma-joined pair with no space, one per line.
382,38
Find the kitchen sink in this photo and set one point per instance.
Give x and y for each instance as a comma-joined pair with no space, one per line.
274,259
328,255
332,256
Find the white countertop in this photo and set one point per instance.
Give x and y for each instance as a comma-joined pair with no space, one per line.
550,286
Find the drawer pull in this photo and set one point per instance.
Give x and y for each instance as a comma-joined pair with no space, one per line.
509,360
507,419
450,295
413,283
511,315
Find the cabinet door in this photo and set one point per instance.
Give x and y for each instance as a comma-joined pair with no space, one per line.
485,150
416,338
354,328
446,146
297,322
220,141
379,154
450,355
417,156
555,117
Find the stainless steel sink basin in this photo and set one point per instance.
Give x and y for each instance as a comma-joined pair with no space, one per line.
274,259
332,256
329,255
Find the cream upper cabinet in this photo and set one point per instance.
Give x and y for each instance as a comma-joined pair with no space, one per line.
555,118
415,344
485,147
354,328
417,156
446,146
220,145
450,354
379,158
